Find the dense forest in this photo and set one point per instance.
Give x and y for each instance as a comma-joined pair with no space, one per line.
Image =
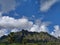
25,37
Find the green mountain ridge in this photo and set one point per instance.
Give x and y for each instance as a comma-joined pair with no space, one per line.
25,37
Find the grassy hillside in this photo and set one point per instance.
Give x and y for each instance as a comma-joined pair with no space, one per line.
29,38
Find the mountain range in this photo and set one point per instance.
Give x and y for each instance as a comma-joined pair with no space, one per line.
25,37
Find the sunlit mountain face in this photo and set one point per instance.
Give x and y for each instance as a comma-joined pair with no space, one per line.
30,15
26,37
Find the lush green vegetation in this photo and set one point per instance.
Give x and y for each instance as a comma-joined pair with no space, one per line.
41,43
29,38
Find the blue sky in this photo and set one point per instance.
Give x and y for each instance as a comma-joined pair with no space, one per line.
45,10
31,7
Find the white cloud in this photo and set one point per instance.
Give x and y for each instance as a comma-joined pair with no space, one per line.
44,28
56,31
47,4
7,5
40,26
10,24
35,28
15,30
2,32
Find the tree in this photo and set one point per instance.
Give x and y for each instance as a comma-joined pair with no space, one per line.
11,37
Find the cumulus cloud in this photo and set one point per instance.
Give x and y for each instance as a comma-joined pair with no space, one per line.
40,26
37,28
2,32
15,30
7,22
10,24
13,25
47,4
7,5
56,31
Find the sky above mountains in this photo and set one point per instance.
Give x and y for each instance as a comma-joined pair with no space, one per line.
31,15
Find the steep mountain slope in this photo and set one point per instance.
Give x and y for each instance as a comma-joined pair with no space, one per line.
28,37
